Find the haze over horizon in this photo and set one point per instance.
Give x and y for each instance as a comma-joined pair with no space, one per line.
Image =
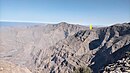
85,12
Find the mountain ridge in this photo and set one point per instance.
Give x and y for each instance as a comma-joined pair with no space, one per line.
65,47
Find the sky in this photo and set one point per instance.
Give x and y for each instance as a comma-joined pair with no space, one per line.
84,12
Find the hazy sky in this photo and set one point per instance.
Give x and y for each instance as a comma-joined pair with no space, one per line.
96,12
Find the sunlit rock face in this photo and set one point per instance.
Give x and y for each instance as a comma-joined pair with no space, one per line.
63,47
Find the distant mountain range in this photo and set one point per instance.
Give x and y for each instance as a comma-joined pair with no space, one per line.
64,47
2,23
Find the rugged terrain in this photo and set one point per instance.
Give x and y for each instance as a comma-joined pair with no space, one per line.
122,65
63,47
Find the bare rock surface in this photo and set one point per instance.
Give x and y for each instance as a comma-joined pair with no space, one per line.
8,67
120,66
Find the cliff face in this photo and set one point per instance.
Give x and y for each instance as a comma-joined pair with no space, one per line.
63,48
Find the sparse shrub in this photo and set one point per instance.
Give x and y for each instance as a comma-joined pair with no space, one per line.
128,52
83,70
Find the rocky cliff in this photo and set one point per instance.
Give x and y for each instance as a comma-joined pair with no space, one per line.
63,47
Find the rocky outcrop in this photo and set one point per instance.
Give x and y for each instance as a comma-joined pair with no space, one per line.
120,66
